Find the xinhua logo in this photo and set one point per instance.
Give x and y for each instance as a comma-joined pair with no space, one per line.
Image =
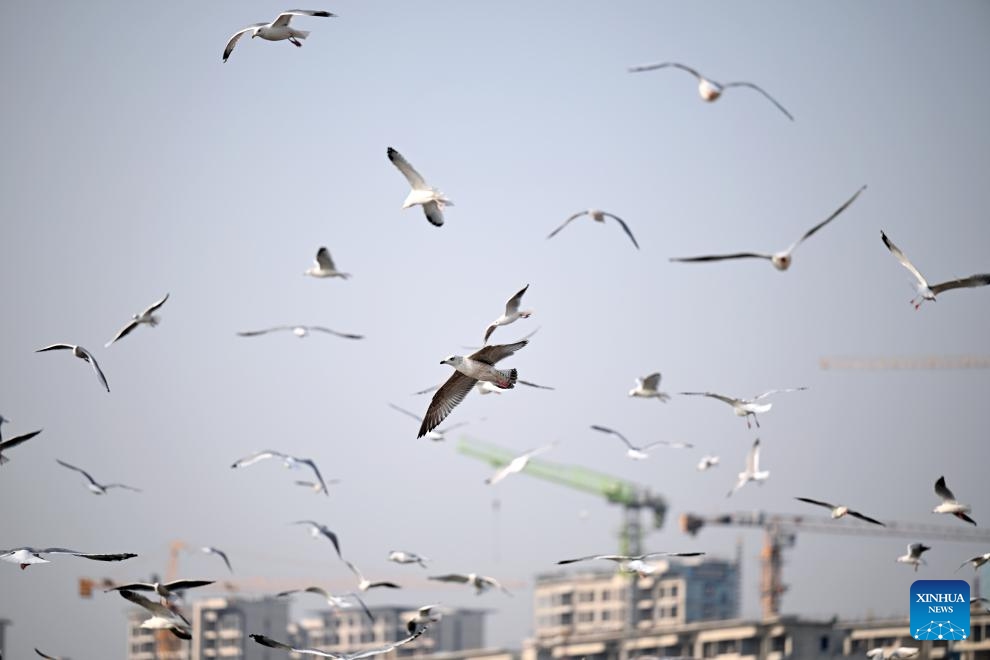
940,609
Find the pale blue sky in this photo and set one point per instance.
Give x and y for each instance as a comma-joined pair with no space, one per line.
136,163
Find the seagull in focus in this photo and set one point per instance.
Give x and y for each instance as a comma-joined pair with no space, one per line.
893,652
746,407
913,555
840,510
299,331
752,471
976,562
633,563
425,616
13,442
437,434
165,590
468,370
50,657
162,617
210,550
598,216
708,89
480,583
324,266
335,602
400,557
277,30
707,461
317,530
356,655
639,453
27,556
512,313
928,291
82,354
780,260
147,316
432,200
364,583
517,464
646,388
291,462
93,486
949,503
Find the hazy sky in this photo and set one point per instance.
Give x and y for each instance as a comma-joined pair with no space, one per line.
136,163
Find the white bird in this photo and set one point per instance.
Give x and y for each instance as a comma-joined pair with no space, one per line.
291,462
481,583
976,562
840,510
432,200
147,316
707,461
317,530
162,617
752,471
639,453
364,583
82,354
517,464
356,655
913,555
646,387
401,557
277,30
324,266
93,486
299,331
928,291
27,556
949,503
893,652
633,563
512,313
210,550
436,434
13,442
468,370
746,407
708,89
425,616
780,260
598,216
165,590
336,602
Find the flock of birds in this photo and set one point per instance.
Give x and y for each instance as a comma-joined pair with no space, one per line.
477,370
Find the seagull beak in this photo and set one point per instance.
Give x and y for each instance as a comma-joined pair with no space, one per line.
442,362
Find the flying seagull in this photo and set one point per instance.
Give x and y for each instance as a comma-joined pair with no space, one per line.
639,453
780,260
210,550
517,464
424,617
752,471
277,30
317,530
707,461
633,563
356,655
928,291
469,370
646,388
598,216
913,555
512,313
336,602
400,557
949,503
840,510
324,266
480,583
364,583
299,331
81,353
93,486
27,556
165,590
746,407
162,617
147,316
432,200
436,434
976,561
13,442
291,462
708,88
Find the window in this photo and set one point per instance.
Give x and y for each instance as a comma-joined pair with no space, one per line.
673,611
823,643
606,615
586,597
673,591
778,643
606,594
585,617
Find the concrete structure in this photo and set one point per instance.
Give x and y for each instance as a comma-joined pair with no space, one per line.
3,635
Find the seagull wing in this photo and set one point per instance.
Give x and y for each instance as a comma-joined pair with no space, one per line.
625,227
323,259
96,367
721,397
652,67
271,643
237,35
133,586
593,557
761,91
786,389
327,532
651,382
55,347
433,213
154,307
126,330
13,442
496,352
79,470
512,305
345,335
753,458
179,585
155,608
221,554
900,256
389,585
963,282
45,655
566,222
407,412
857,514
450,577
312,464
723,257
816,502
824,222
414,178
386,648
671,554
124,486
258,456
450,394
942,490
615,433
426,391
367,612
916,549
255,333
282,20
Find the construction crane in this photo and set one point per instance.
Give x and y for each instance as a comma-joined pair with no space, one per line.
780,532
845,363
633,498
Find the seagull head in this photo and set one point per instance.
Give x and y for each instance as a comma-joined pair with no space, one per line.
452,360
254,33
781,260
709,90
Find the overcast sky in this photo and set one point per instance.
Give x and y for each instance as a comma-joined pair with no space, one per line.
136,163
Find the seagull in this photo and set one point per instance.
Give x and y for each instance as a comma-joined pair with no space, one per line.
780,260
469,370
93,486
893,652
480,583
400,557
13,442
364,584
752,471
707,461
27,556
425,616
949,503
436,435
147,316
324,266
633,563
517,464
50,657
162,618
928,291
512,313
646,388
432,200
277,30
839,510
210,550
707,88
291,462
336,602
746,407
165,590
317,530
639,453
598,216
299,331
976,561
81,353
356,655
913,555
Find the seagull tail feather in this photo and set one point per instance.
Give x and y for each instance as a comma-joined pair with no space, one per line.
507,376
